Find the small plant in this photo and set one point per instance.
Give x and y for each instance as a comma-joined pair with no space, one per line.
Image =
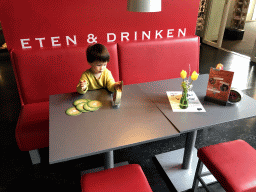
186,86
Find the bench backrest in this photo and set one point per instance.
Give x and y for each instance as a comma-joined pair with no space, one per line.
154,60
42,73
47,72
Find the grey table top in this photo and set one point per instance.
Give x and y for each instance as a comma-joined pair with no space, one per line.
188,121
137,121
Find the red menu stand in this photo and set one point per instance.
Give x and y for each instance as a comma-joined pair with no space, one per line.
219,85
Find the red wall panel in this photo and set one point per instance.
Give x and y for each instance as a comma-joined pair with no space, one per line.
47,19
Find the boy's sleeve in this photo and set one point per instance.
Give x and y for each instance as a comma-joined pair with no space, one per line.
79,88
110,82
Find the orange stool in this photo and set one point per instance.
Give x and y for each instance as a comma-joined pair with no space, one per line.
127,178
232,163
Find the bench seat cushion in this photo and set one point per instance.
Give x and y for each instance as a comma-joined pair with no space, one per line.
232,163
127,178
154,60
32,131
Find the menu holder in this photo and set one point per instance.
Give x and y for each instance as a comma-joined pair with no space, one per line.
116,98
219,85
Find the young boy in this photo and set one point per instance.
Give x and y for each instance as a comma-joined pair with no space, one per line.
98,76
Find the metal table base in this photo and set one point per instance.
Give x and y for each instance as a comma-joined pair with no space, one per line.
109,160
180,165
103,168
108,164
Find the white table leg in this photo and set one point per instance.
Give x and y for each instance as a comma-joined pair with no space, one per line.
35,156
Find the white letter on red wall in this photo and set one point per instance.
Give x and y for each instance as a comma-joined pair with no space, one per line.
159,34
40,41
169,32
183,33
112,40
124,35
25,43
69,39
54,41
145,34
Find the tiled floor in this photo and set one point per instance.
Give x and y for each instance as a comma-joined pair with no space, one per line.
17,173
246,44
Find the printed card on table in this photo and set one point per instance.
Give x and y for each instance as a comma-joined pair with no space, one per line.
219,84
194,105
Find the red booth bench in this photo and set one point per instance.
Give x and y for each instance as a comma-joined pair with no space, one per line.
45,72
42,73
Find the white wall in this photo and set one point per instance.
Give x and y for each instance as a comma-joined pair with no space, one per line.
252,8
253,55
214,20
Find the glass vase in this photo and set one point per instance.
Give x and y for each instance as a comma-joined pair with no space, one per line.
184,99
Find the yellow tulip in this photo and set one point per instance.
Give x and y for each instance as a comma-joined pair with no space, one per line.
219,66
183,74
194,76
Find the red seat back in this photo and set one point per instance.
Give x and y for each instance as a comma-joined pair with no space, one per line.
154,60
43,72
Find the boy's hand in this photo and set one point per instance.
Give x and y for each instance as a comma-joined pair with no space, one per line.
118,85
83,84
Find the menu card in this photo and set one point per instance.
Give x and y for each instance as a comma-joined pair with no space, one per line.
194,105
219,85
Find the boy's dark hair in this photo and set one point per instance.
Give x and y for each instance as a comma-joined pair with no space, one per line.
97,52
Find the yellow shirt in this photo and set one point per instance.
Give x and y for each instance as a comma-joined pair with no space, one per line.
106,80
